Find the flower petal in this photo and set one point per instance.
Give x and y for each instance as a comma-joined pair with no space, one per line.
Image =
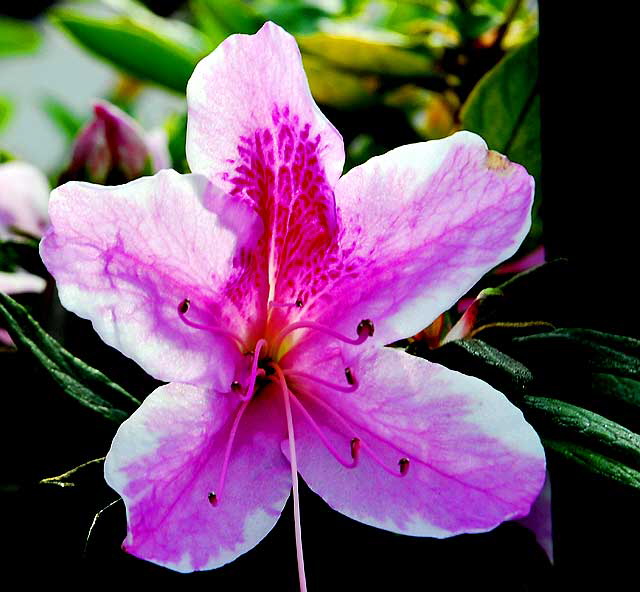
166,459
126,256
276,150
420,226
24,193
539,519
474,461
20,282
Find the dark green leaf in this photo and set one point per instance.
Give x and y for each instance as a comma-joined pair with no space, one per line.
17,37
585,349
22,253
177,133
152,53
594,462
559,420
86,384
477,358
504,108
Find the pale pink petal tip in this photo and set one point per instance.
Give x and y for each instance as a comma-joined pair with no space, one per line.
539,519
165,462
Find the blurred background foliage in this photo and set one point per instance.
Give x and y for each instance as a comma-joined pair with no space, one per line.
386,73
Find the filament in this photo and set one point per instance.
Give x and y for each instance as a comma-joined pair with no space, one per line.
254,370
214,497
325,440
184,306
364,331
403,463
294,477
352,387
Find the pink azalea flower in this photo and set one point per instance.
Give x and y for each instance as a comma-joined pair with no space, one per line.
264,288
113,145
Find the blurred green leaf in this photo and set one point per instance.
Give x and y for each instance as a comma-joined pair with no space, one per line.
17,37
68,122
337,88
6,110
221,19
147,53
595,462
364,55
296,16
176,128
82,382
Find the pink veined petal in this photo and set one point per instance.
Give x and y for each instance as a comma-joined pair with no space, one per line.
420,226
5,338
24,193
276,150
474,461
539,520
20,282
166,459
125,257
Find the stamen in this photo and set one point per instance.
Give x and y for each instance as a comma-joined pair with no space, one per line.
254,369
351,379
294,477
404,466
336,387
325,441
214,498
236,387
355,448
364,330
183,308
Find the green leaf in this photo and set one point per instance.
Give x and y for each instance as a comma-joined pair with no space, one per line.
594,462
21,253
364,55
220,19
6,110
176,128
82,382
559,420
155,54
17,37
68,122
584,349
504,108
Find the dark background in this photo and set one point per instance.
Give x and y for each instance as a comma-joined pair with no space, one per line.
588,195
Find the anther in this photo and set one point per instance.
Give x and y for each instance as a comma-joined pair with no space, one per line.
299,303
236,387
365,327
213,498
349,375
355,448
183,307
404,466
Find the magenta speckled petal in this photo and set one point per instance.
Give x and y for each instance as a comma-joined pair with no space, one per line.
254,129
420,225
166,459
126,256
473,460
